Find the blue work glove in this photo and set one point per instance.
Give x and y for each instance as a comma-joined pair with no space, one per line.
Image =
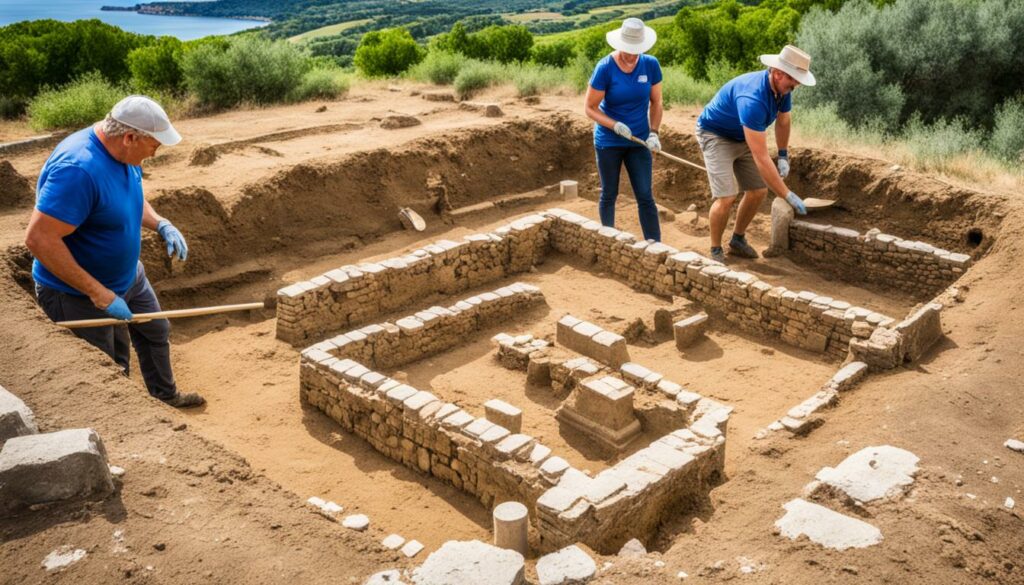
796,203
783,164
175,241
653,142
118,309
623,130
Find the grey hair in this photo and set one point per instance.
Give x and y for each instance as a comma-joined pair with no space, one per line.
114,129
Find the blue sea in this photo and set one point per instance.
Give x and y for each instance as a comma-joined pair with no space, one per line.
183,27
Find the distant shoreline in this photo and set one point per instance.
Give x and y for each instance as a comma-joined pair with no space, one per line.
159,11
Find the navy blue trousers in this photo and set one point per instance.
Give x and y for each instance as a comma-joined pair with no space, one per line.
150,339
638,161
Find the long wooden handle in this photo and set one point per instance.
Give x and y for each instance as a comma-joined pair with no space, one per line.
670,156
143,317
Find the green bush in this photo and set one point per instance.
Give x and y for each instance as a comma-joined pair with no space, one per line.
439,67
387,53
156,66
556,54
532,79
939,60
1007,140
579,72
84,101
321,83
250,69
677,87
935,145
477,75
507,44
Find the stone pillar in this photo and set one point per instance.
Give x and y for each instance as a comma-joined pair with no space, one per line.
568,189
782,215
510,526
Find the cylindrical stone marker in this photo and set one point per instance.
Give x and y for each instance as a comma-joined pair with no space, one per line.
569,189
510,524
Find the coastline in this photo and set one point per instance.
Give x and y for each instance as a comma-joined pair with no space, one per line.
152,10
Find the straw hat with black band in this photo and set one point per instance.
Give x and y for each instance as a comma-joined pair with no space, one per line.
792,61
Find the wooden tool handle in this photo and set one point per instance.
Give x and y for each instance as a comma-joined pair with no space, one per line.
143,317
670,156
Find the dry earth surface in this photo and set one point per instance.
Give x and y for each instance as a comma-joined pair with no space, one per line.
271,196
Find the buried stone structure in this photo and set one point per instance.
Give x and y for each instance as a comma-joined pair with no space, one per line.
605,396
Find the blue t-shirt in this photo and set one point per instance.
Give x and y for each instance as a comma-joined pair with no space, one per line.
627,98
82,185
746,101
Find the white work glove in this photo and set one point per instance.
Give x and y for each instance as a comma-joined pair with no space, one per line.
783,164
623,130
653,142
796,203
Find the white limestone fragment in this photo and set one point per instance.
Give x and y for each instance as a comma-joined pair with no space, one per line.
412,548
62,557
1014,445
872,473
825,527
569,566
357,522
1009,503
393,541
471,562
633,548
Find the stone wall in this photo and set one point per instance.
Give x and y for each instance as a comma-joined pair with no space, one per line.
915,268
355,294
431,331
801,318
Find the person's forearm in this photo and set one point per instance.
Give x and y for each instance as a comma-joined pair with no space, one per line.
55,256
782,134
600,117
657,111
150,218
771,175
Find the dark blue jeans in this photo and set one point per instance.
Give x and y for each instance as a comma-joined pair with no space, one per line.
150,339
638,163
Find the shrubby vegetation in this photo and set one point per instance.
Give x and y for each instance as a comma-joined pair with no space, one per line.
387,53
78,104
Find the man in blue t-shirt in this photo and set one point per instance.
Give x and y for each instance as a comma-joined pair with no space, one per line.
732,134
86,235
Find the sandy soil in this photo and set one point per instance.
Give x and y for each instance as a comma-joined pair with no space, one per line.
224,494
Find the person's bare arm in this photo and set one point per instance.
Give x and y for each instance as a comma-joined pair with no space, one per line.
45,239
758,143
657,108
592,106
783,124
150,218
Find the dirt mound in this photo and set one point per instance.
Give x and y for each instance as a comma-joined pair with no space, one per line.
393,122
15,190
360,194
206,155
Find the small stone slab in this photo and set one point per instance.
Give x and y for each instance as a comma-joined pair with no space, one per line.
35,469
412,548
357,522
569,566
16,417
471,562
872,473
393,541
1014,445
690,330
825,527
504,414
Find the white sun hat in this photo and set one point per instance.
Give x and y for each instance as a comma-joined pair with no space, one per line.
794,62
142,113
632,37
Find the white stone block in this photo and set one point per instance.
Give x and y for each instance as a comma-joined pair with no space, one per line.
825,527
471,562
569,566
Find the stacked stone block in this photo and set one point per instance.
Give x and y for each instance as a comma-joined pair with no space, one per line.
355,294
802,418
592,341
431,331
917,268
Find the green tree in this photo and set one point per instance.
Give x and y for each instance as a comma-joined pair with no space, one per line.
557,54
157,66
387,52
504,43
249,69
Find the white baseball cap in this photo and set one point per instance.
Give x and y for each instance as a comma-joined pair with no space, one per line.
142,113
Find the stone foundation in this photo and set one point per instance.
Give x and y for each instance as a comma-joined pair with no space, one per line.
915,268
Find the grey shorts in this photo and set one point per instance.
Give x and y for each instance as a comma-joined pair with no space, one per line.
730,164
